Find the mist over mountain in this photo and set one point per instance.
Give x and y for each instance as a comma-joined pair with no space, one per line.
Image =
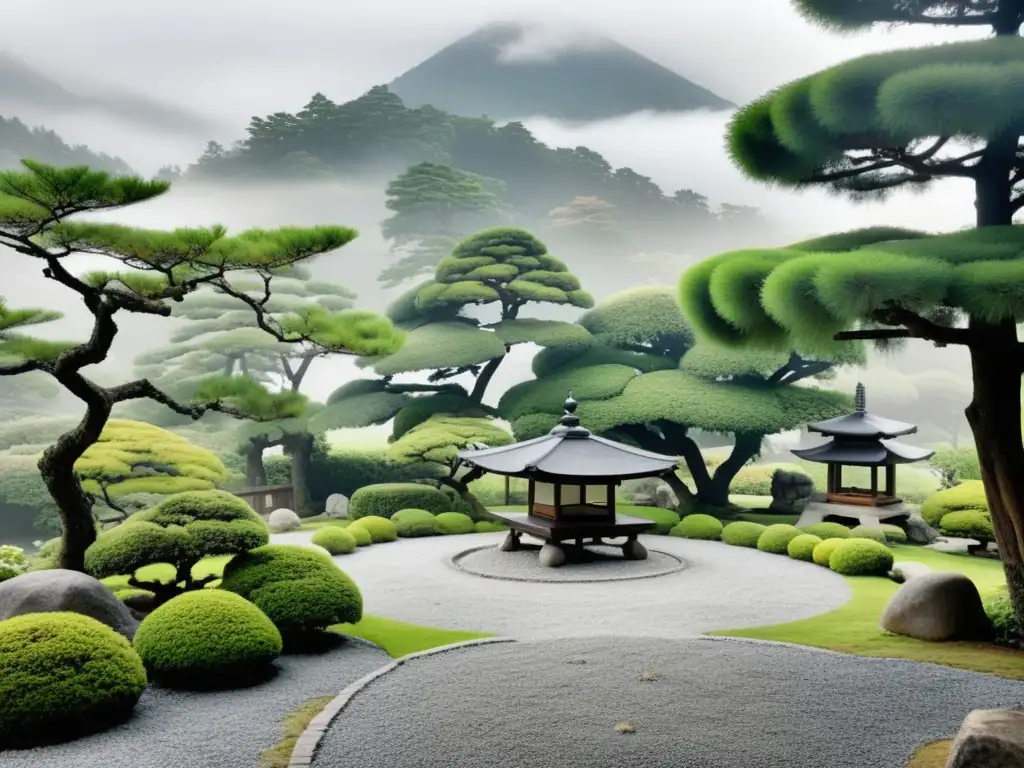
18,140
514,70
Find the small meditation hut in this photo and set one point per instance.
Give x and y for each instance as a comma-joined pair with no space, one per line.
572,479
861,439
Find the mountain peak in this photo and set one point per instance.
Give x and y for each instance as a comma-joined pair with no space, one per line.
510,70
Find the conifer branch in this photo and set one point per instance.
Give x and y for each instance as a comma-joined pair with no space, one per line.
908,324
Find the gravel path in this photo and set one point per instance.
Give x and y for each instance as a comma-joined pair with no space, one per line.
714,704
226,729
722,587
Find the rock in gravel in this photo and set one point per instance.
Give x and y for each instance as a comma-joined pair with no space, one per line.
791,492
60,590
283,520
665,497
989,738
337,505
938,606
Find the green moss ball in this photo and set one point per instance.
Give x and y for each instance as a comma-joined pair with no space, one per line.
488,526
872,532
861,557
742,533
704,527
62,676
822,552
802,547
411,523
450,523
299,588
776,538
361,535
827,530
894,534
207,639
379,528
335,540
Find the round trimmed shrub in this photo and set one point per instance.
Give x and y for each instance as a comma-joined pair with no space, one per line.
411,523
207,639
968,495
379,528
335,540
968,524
62,676
488,526
872,532
775,538
894,534
384,499
823,551
861,557
802,547
300,589
826,531
360,534
742,533
452,523
704,527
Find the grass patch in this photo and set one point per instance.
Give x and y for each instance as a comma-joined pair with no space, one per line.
317,522
398,638
279,755
853,628
750,502
765,518
935,754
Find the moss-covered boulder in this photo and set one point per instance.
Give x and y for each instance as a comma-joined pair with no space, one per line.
62,676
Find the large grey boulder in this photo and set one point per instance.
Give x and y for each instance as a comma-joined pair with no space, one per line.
937,606
989,738
665,497
283,520
791,492
919,532
337,505
60,590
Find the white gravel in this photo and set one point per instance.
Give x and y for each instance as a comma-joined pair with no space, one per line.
722,587
714,704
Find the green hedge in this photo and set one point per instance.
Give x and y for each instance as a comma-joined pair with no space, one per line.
968,524
381,529
336,540
704,527
872,532
827,530
300,589
62,676
775,538
861,557
742,533
346,471
967,495
823,551
802,547
453,523
383,500
207,639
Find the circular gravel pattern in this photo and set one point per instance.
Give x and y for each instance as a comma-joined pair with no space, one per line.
692,703
591,564
223,729
721,587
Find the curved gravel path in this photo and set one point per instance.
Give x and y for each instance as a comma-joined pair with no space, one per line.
714,704
722,587
224,729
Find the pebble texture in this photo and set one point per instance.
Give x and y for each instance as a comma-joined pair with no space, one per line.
711,704
224,729
594,563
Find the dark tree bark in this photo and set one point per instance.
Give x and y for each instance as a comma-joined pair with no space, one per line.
300,448
746,447
461,487
255,469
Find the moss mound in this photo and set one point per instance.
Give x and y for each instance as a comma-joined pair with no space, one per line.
488,526
336,540
861,557
300,589
872,532
802,547
742,533
360,534
826,531
450,523
380,528
775,538
823,551
207,639
894,534
384,499
62,676
967,495
704,527
968,524
411,523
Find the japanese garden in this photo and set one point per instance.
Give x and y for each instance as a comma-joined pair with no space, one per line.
542,490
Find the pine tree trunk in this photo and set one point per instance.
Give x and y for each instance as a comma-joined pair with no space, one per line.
255,470
301,450
746,447
479,511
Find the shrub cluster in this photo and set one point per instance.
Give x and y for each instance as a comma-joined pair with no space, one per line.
698,526
823,551
968,524
775,538
960,511
207,639
12,561
872,532
827,530
894,534
453,523
380,528
861,557
62,676
742,533
802,547
335,539
1000,610
384,499
346,471
411,523
360,534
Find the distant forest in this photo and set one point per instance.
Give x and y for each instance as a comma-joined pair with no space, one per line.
18,140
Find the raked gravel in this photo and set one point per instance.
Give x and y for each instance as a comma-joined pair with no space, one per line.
589,564
224,729
713,703
721,587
